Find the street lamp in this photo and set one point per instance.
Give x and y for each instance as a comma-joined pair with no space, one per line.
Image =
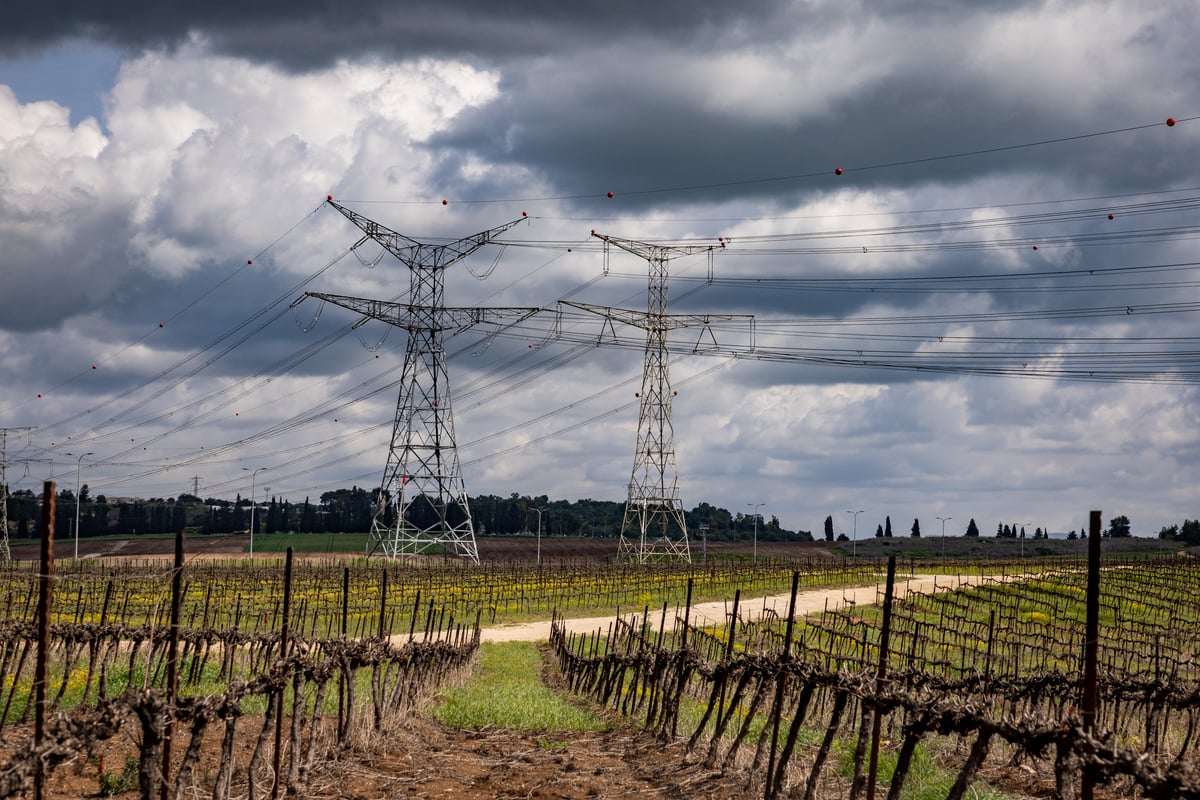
944,521
539,547
78,465
756,507
253,475
854,540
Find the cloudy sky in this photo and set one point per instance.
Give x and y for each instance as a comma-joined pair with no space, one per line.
952,325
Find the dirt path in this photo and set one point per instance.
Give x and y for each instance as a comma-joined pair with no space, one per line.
807,602
427,760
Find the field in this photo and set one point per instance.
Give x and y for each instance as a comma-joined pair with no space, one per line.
495,549
557,549
273,667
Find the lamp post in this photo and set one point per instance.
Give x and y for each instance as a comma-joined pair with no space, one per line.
253,475
854,540
78,466
756,507
944,521
539,546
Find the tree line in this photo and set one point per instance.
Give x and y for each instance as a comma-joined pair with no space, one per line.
352,510
1118,527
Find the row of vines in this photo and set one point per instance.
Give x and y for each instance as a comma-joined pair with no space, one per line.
257,670
989,673
203,711
248,596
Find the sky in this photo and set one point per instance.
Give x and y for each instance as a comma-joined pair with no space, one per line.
911,199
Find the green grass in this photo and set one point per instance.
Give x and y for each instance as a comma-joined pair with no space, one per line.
507,692
925,779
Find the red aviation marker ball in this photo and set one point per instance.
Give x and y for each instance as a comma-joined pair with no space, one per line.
1035,247
610,194
524,213
1110,216
445,202
837,171
1170,122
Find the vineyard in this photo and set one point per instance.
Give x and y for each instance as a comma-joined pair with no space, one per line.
990,674
241,678
259,670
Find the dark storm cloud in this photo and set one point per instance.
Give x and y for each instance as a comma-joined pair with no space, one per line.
308,33
616,96
633,133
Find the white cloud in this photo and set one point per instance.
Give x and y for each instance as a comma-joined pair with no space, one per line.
205,160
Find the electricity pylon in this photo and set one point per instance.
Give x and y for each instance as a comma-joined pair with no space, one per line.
654,527
422,505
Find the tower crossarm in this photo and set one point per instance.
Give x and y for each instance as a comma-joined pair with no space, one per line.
411,316
649,250
413,253
646,320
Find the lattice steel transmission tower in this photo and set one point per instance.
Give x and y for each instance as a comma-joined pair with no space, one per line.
423,504
654,527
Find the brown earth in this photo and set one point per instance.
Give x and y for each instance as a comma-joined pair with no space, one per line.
136,547
492,549
421,758
427,760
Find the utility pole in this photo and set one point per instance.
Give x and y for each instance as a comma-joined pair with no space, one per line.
654,528
253,523
5,551
756,506
944,521
539,539
195,485
78,466
422,480
854,536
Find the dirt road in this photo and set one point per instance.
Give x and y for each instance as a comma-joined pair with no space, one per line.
807,602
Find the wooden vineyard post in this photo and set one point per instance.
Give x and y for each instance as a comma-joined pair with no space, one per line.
881,674
684,669
773,784
45,600
284,632
172,663
341,726
382,603
1091,642
987,664
412,624
723,716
